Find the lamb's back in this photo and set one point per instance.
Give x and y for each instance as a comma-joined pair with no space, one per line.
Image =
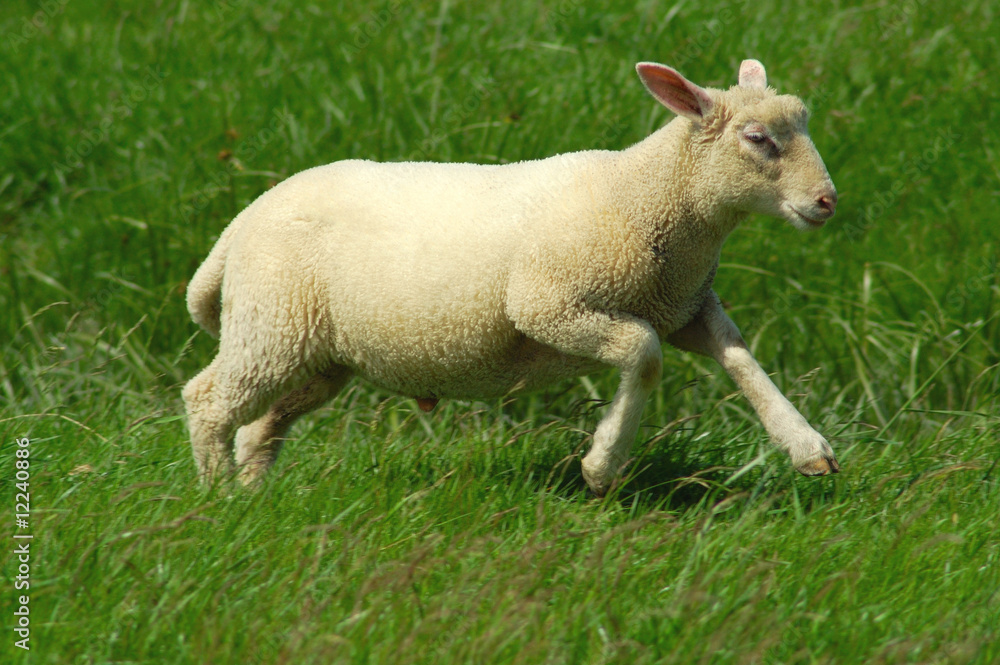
410,262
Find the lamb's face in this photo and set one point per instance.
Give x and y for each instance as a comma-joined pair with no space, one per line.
753,148
780,172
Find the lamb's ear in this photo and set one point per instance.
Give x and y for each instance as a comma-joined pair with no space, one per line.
674,91
752,74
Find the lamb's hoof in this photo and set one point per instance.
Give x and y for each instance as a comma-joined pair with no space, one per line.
824,466
251,478
599,491
599,486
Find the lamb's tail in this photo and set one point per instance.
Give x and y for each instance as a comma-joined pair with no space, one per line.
204,292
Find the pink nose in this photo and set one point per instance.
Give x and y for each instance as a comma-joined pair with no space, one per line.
828,202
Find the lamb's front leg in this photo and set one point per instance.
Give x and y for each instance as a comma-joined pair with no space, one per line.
713,333
620,340
634,347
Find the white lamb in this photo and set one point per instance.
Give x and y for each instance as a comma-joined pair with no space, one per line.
469,281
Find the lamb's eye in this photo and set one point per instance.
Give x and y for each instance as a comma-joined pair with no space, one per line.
756,137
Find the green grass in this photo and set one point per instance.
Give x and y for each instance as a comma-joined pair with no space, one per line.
129,137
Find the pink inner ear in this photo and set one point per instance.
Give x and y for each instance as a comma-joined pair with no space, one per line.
674,91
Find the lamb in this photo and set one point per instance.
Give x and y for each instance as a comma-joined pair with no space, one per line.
476,281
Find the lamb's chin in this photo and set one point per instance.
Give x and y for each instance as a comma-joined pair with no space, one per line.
800,221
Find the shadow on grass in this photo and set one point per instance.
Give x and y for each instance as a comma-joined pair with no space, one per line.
668,480
676,468
672,472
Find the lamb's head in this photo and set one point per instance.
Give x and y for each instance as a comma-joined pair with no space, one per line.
753,143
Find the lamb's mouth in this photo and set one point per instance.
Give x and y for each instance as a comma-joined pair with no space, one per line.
812,222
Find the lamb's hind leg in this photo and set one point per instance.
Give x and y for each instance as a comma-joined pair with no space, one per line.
223,396
258,444
210,424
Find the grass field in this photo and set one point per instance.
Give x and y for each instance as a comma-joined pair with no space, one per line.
131,134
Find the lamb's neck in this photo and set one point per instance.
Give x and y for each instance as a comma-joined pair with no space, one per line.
663,187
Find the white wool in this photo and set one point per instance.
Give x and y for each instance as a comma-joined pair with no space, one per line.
470,281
